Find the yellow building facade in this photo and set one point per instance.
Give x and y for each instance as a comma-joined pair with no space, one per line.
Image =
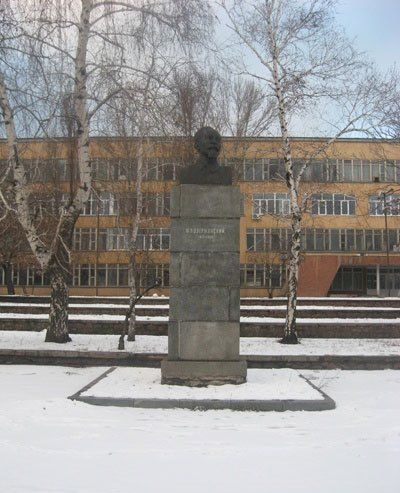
350,195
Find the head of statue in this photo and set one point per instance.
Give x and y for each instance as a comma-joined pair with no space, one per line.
207,143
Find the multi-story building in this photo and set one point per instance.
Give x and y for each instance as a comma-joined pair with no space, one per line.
351,225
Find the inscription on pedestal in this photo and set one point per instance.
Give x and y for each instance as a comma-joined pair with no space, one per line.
204,235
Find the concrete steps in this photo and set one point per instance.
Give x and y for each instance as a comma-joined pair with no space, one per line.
153,360
152,300
328,329
153,310
317,317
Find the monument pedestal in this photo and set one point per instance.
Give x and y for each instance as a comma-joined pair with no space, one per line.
202,373
204,326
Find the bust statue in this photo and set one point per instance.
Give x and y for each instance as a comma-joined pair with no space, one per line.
206,171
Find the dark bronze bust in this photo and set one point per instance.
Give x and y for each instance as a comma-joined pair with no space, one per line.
206,171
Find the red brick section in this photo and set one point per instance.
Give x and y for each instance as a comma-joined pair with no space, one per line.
316,274
318,271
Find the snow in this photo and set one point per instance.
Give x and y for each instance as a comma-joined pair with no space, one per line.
243,307
83,305
159,344
323,321
321,308
145,383
50,444
106,317
327,298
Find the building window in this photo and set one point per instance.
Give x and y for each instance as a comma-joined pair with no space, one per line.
153,239
84,239
99,203
156,204
390,278
117,239
268,239
161,169
102,204
29,276
377,205
349,279
352,170
270,203
102,275
261,169
84,275
262,275
148,273
326,204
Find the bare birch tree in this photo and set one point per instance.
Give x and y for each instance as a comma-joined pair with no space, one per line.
305,61
85,42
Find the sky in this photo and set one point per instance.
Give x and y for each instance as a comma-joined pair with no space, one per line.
376,26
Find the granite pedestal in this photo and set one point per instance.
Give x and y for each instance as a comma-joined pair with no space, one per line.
203,332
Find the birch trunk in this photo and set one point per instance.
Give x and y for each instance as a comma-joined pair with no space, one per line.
20,180
60,260
7,268
81,110
58,316
59,268
133,288
131,316
290,333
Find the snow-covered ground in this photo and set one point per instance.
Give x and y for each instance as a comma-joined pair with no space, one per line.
159,344
49,444
86,305
249,320
144,383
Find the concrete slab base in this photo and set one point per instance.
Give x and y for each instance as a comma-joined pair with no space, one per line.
203,373
265,390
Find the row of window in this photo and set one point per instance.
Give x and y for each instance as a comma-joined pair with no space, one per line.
355,279
100,275
56,170
325,204
262,275
359,279
321,204
331,170
103,203
106,203
160,169
258,239
114,275
47,170
323,240
379,205
109,239
270,203
262,169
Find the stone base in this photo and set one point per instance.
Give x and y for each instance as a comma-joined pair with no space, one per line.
203,373
265,390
